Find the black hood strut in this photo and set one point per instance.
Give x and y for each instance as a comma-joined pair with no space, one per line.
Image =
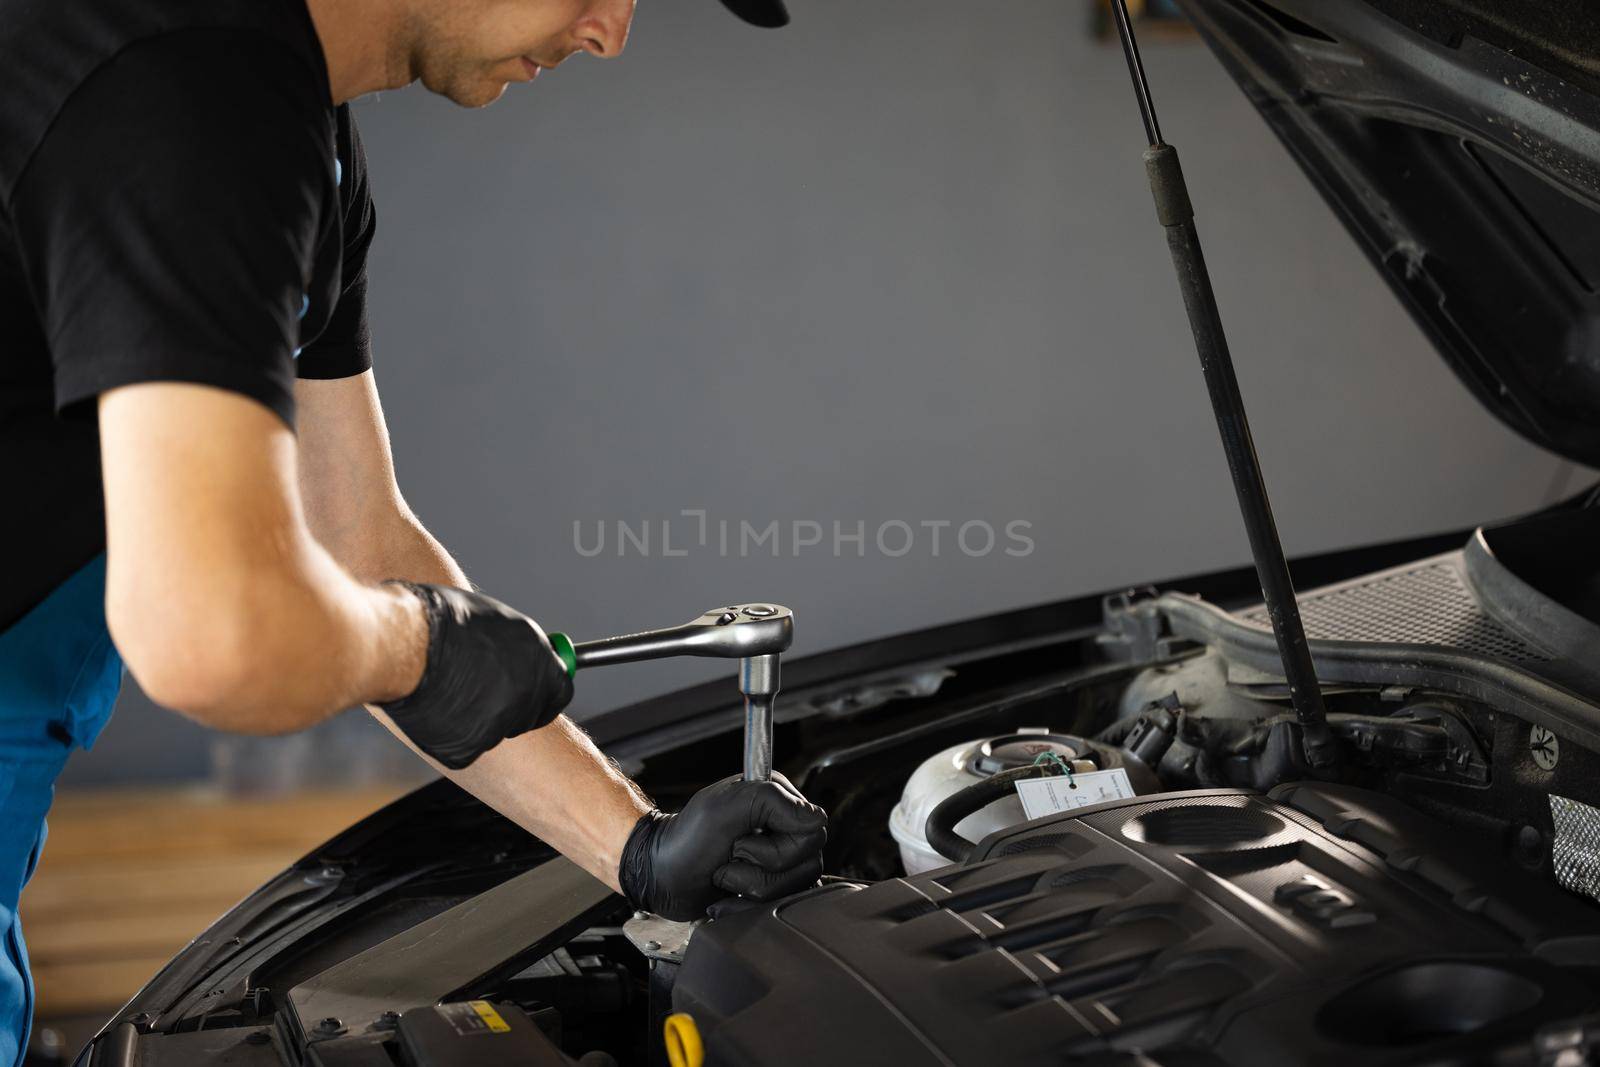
1277,587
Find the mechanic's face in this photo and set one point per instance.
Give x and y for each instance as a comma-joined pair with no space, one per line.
468,50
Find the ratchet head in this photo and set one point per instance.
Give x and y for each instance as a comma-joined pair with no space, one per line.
736,632
744,630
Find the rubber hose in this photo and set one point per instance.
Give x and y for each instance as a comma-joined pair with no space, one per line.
941,826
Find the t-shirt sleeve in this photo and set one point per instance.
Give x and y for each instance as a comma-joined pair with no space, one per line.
344,347
169,219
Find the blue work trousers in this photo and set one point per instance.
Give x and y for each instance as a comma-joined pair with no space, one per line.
59,676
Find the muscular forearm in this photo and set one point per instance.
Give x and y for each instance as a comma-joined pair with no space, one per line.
553,782
274,649
221,603
391,543
312,642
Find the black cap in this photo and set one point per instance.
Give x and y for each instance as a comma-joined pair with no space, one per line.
768,14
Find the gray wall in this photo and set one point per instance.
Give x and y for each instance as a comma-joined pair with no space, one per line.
894,263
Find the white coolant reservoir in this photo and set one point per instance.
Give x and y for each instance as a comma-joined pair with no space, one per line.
956,768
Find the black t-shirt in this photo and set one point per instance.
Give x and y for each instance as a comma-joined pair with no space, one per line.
179,201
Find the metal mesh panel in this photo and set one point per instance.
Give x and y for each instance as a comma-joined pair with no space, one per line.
1576,853
1426,605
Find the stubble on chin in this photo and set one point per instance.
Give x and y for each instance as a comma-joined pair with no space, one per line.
440,62
481,93
469,87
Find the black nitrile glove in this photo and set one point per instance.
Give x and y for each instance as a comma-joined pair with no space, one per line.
676,866
491,674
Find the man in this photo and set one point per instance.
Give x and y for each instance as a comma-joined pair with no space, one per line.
184,225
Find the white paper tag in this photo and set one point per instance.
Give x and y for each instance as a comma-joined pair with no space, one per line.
1046,796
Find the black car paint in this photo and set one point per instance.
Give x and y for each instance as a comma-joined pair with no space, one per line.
1459,142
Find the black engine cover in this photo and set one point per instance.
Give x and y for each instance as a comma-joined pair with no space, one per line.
1316,925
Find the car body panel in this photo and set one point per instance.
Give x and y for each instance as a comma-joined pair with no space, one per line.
1459,142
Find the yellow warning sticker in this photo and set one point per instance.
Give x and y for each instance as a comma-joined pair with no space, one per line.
490,1017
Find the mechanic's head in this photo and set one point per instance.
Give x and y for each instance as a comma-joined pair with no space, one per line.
468,50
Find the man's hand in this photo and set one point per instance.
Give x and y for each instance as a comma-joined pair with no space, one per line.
753,839
491,674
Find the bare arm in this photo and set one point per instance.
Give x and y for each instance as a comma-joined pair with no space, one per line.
553,781
221,602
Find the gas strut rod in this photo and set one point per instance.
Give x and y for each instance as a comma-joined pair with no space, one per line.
1277,588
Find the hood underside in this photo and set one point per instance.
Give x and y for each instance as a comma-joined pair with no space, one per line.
1459,141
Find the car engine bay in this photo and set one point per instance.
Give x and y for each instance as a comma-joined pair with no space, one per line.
1438,903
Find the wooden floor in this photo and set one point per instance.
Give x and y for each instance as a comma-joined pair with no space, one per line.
130,877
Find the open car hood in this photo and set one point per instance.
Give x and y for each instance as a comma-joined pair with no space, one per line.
1459,140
